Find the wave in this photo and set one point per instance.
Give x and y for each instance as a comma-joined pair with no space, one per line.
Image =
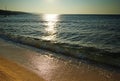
75,51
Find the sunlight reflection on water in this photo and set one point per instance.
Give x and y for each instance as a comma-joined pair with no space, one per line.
50,26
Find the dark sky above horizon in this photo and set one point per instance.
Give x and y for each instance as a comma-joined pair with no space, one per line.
63,6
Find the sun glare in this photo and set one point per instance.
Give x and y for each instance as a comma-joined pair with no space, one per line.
50,0
50,17
51,23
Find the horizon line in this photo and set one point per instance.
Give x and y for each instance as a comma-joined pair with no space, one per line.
62,13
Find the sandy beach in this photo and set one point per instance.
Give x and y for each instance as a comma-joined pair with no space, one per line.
10,71
45,65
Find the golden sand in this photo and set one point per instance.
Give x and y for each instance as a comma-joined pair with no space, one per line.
10,71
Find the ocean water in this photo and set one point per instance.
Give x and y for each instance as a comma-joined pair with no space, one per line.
95,37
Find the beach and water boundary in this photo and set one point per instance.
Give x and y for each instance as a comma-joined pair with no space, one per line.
54,69
85,53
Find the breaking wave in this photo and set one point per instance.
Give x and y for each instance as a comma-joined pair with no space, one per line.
75,51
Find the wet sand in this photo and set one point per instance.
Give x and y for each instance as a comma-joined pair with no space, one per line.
10,71
53,68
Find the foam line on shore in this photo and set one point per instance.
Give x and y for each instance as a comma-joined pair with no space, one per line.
79,52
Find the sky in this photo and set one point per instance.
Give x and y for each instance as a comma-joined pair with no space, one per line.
63,6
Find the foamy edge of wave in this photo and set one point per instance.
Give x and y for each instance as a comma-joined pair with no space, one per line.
79,52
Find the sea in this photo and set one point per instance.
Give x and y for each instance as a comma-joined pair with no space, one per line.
92,37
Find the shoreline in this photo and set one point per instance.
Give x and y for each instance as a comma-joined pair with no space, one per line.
10,71
51,68
92,54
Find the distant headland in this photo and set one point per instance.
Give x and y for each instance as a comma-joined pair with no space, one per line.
8,12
